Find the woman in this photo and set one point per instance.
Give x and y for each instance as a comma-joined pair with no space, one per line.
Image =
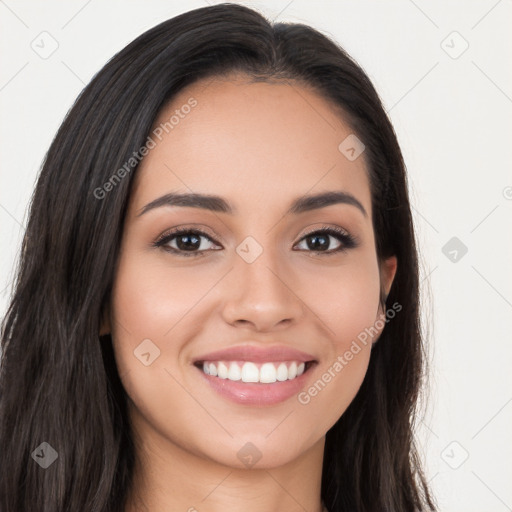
217,298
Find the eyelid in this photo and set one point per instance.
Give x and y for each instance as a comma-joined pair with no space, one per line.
325,227
202,230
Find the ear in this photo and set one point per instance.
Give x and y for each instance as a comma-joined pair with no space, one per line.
387,270
387,273
105,321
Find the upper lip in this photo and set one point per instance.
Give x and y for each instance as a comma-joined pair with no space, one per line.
257,354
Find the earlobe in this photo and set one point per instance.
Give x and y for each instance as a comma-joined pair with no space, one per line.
387,273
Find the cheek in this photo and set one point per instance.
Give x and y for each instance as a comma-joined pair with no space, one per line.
149,303
345,298
149,299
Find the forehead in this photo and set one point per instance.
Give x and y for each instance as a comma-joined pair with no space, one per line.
253,143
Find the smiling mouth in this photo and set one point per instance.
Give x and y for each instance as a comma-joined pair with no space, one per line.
254,372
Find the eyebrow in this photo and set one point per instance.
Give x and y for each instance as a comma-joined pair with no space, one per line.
218,204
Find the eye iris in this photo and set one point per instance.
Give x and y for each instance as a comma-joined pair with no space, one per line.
315,245
192,242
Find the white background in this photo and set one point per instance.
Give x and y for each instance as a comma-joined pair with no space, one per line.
454,124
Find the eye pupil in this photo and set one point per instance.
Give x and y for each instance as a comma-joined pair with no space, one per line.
315,246
188,245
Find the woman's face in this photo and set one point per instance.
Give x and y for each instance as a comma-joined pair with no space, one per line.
249,277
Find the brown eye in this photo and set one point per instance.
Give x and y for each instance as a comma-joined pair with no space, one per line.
187,242
319,241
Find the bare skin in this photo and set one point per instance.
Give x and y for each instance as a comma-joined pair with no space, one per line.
259,146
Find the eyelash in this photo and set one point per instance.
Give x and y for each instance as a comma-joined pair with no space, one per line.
347,240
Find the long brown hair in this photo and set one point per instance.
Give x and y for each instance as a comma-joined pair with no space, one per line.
59,382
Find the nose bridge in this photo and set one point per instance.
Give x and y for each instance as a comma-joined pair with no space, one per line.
263,292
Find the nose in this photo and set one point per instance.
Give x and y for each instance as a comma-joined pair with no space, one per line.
260,295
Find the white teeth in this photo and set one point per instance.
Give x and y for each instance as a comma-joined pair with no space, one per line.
222,370
282,372
234,372
292,370
268,373
252,372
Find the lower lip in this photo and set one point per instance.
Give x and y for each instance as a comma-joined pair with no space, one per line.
256,393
